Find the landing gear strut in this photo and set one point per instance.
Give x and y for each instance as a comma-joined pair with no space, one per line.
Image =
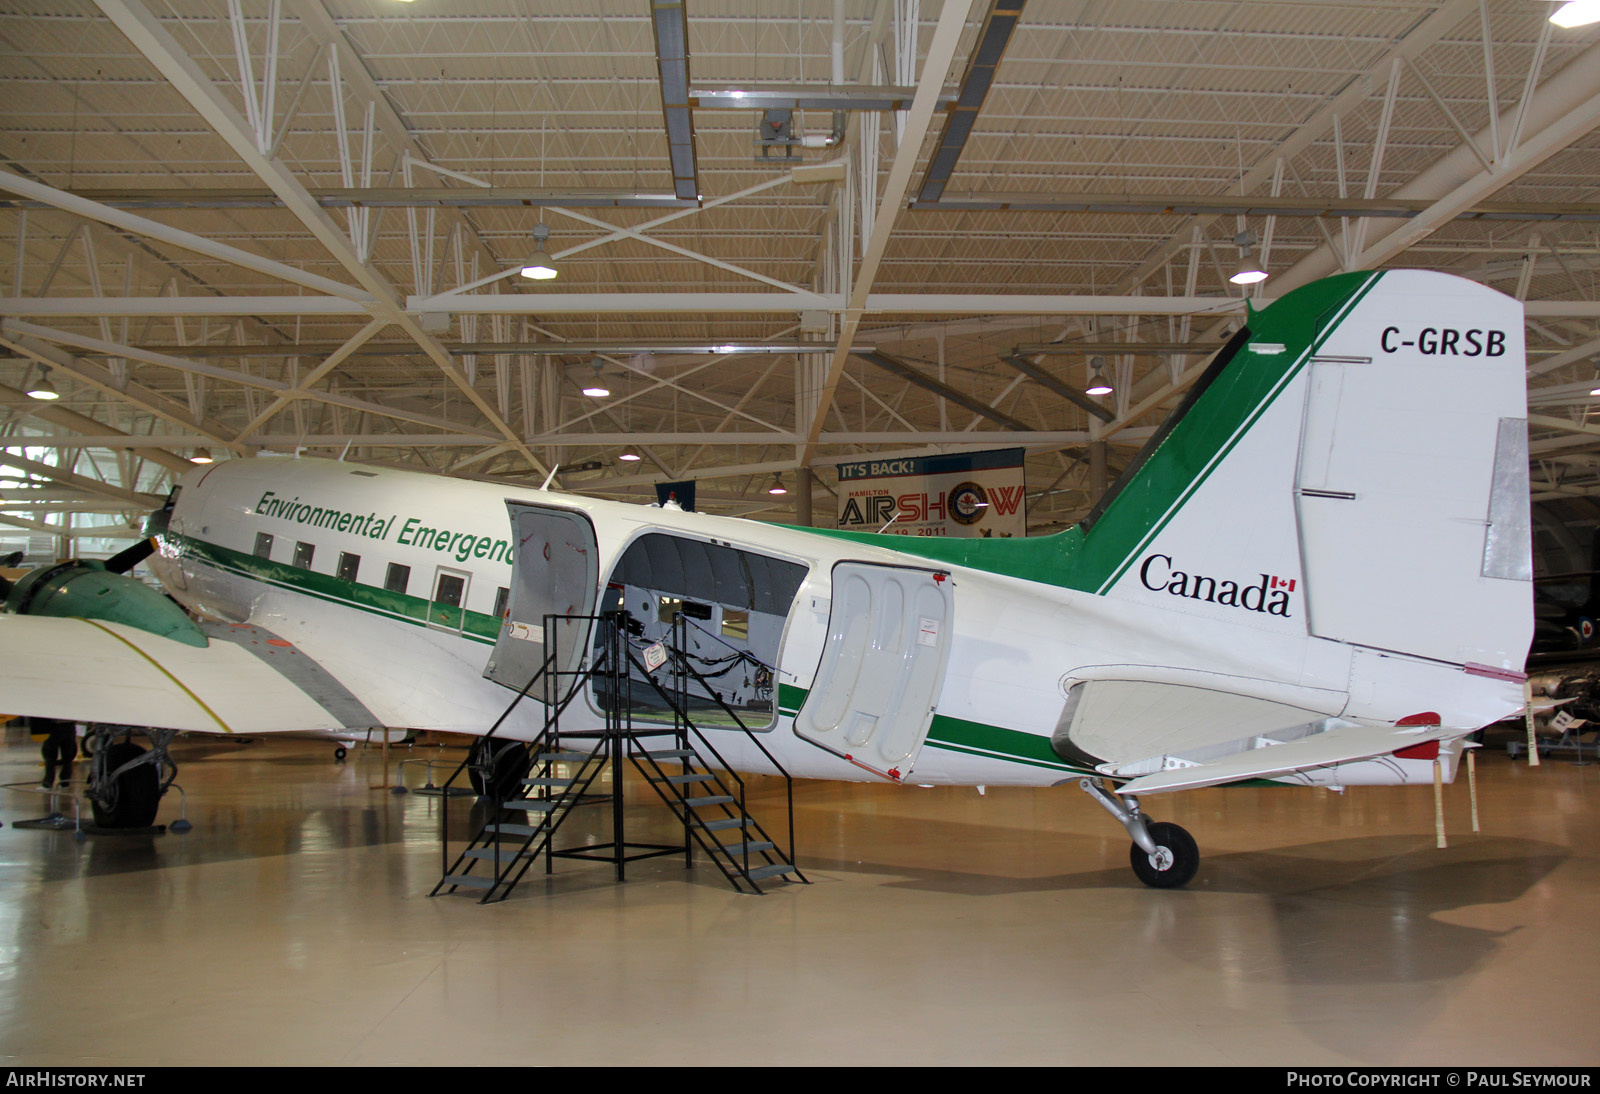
126,780
1163,855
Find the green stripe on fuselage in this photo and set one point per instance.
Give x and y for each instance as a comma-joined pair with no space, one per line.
959,735
474,626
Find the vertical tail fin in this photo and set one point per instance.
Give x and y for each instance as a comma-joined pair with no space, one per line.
1353,465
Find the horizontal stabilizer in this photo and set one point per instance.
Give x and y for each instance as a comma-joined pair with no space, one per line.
1334,746
91,671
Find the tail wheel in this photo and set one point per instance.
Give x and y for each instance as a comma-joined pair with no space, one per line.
1176,859
132,799
497,767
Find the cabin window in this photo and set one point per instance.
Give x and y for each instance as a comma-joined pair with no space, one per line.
733,604
449,590
397,578
303,554
349,566
501,596
263,545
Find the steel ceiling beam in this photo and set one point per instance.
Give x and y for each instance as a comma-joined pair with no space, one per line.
935,67
363,197
670,26
896,367
1393,208
701,304
92,210
531,349
1563,109
994,34
162,51
1076,396
813,97
86,426
1352,96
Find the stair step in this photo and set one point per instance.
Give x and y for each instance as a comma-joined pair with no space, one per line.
670,754
563,757
468,881
708,799
683,780
550,781
725,822
507,854
758,872
530,805
510,830
734,850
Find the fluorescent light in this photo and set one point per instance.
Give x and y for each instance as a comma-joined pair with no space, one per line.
595,391
1099,387
630,456
1577,13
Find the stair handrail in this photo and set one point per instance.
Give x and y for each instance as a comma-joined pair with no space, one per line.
788,780
726,767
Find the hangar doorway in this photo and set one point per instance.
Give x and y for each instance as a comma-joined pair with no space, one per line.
554,571
887,648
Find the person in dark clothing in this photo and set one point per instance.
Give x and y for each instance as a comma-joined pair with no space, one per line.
60,748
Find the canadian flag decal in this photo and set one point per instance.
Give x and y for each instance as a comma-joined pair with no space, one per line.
1283,583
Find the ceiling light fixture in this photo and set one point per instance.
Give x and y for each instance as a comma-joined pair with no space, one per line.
201,455
540,266
44,390
1576,13
777,486
596,389
629,455
1098,384
1248,271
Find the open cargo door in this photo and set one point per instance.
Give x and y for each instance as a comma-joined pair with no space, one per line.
889,632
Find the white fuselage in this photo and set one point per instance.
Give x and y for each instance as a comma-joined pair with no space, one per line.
1014,648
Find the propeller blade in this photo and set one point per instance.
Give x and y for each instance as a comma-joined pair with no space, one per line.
128,558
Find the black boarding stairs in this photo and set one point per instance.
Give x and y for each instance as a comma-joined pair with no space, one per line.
525,814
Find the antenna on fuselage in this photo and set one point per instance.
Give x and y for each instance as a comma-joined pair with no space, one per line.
888,522
346,451
550,477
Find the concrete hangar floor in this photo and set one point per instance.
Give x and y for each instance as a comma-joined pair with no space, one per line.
292,926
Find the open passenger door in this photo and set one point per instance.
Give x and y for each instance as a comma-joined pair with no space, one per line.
554,571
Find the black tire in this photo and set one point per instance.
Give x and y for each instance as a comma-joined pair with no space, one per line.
510,760
339,754
134,798
1184,857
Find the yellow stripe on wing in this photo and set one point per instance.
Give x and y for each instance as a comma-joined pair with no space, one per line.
199,702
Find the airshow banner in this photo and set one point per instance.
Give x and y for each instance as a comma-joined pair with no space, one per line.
968,494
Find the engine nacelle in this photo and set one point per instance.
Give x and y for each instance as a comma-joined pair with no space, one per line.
86,589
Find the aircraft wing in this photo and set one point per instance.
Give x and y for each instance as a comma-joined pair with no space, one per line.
1340,745
245,680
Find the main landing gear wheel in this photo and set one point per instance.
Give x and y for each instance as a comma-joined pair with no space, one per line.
134,796
339,754
496,767
1176,859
